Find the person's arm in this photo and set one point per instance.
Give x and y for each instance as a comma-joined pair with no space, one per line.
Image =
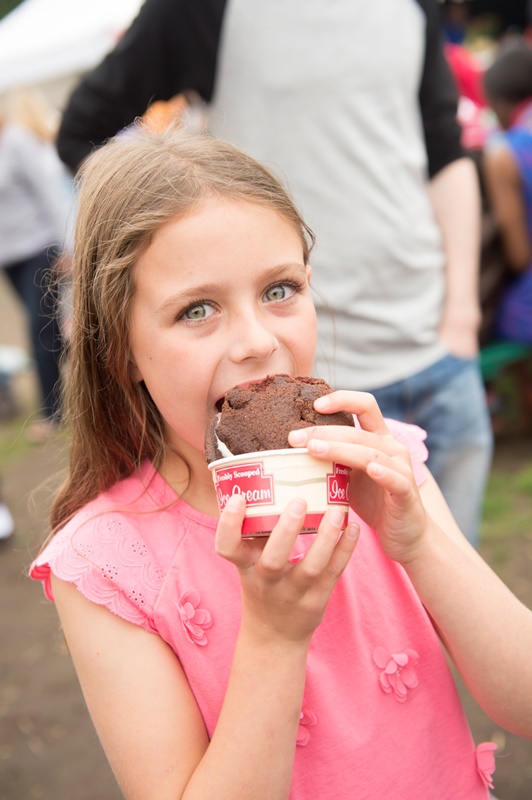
438,97
485,628
455,197
140,701
170,47
505,191
454,192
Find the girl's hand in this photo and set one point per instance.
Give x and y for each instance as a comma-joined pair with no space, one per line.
383,489
284,599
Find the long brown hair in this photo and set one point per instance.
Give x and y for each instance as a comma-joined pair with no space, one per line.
130,188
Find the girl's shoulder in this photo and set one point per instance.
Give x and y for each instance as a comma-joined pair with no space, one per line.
117,549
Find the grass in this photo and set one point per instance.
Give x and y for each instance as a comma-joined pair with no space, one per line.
508,503
507,514
13,442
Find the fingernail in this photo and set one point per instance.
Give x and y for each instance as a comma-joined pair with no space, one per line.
352,531
322,402
375,469
297,438
235,502
297,507
336,517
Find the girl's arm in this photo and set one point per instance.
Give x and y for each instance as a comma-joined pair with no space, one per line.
486,629
505,191
140,701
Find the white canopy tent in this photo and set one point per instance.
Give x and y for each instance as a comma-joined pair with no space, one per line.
49,40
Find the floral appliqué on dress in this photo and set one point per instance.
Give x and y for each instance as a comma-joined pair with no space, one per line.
307,719
398,673
486,763
195,620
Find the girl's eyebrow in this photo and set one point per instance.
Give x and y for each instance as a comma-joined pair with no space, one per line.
189,295
205,290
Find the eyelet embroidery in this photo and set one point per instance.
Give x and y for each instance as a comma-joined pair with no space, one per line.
109,571
195,620
136,596
486,763
397,674
307,719
132,553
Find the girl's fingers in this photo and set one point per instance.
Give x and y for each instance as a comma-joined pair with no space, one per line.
322,548
281,540
341,433
228,542
273,551
358,456
330,551
362,404
389,479
341,555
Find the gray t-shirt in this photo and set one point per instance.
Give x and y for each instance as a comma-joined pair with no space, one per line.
340,123
353,104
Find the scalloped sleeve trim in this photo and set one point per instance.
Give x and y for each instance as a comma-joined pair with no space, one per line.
108,578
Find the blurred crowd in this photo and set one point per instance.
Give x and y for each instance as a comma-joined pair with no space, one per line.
491,60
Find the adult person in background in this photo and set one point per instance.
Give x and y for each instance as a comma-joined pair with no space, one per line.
507,167
33,221
353,105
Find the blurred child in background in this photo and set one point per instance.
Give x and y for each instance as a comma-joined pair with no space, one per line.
508,176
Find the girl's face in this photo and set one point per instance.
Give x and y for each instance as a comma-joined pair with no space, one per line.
222,298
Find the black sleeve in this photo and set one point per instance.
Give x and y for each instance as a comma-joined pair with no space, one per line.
438,97
170,47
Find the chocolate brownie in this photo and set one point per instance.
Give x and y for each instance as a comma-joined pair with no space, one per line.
260,416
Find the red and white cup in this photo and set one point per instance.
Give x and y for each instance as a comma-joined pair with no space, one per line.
269,479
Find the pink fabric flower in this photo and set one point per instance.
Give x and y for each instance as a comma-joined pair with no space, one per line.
307,719
195,620
486,763
397,674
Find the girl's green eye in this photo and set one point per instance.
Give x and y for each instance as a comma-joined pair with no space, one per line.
279,292
198,312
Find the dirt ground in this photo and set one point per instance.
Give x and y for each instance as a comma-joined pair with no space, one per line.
48,748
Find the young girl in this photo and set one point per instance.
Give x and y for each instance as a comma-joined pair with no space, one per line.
216,667
508,173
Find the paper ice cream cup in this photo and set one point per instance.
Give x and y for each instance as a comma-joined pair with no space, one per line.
269,479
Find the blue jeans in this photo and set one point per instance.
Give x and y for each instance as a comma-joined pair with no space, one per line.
32,279
448,400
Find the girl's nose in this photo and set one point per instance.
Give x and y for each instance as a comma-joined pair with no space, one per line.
252,339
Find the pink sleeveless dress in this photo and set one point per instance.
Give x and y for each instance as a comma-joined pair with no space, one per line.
380,716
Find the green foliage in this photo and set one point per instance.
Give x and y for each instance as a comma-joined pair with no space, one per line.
507,507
